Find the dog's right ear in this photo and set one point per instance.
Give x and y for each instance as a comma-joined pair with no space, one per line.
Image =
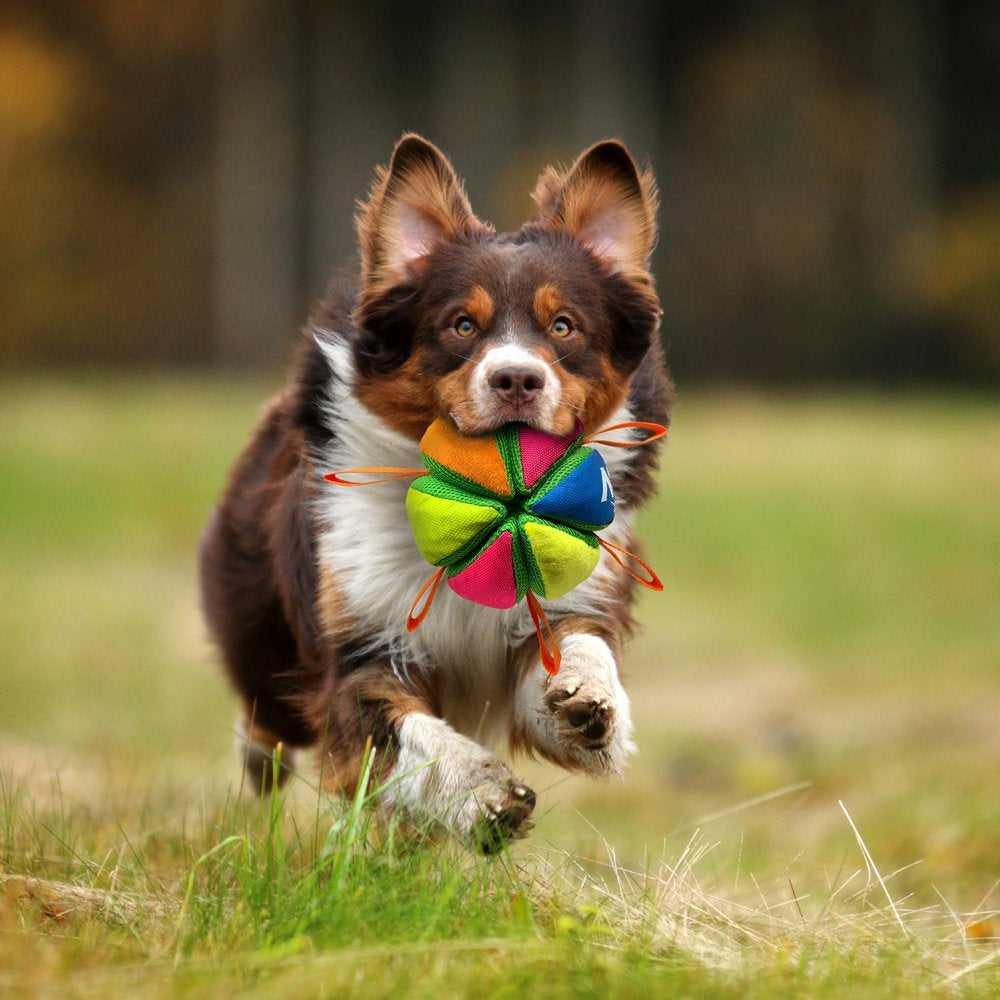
415,204
606,203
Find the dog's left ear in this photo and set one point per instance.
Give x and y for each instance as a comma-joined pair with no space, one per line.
607,204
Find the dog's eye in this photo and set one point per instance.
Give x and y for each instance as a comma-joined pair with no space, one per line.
464,326
562,327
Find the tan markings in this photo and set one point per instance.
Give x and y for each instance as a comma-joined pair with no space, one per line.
377,686
405,399
479,306
547,305
593,400
454,393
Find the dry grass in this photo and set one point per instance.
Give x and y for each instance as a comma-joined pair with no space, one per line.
828,635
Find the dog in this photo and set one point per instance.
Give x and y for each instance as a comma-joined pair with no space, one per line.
306,587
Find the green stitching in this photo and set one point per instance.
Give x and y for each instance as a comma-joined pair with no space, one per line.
508,443
445,491
435,487
514,511
445,472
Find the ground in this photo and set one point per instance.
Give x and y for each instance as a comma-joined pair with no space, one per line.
813,811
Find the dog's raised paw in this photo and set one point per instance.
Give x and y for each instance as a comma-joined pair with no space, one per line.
505,815
584,714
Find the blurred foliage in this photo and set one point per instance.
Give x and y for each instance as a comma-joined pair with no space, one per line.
959,280
105,193
178,180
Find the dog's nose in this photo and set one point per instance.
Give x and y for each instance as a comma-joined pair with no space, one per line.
517,385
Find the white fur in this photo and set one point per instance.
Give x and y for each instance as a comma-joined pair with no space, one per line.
512,355
443,775
366,540
588,672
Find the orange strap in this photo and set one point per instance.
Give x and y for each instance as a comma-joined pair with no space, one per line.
551,657
413,621
658,431
334,477
653,582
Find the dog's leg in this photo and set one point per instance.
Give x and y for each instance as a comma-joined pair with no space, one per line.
580,718
427,769
245,609
447,776
263,761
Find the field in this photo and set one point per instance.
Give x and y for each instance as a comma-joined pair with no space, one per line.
815,810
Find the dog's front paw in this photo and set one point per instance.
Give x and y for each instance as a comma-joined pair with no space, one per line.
504,814
444,776
583,720
489,806
583,713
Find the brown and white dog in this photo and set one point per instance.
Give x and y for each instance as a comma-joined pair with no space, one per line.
306,587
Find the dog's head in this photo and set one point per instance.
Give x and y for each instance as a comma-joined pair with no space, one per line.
544,326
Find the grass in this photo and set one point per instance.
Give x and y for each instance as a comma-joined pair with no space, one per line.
813,813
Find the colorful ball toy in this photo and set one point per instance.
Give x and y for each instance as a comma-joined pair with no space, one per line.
510,515
511,512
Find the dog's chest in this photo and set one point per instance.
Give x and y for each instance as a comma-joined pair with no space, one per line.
378,573
367,550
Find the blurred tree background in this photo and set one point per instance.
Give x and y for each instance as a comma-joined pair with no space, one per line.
177,180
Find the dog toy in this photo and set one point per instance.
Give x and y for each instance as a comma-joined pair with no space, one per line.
511,515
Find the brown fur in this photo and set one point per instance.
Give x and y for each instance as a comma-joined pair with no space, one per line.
367,704
306,670
604,179
258,577
595,399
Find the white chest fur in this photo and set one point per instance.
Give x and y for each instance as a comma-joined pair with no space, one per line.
366,541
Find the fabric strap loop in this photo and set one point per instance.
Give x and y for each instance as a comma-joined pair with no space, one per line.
413,621
551,657
658,431
396,473
654,582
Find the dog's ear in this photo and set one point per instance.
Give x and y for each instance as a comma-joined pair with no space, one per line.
415,204
606,203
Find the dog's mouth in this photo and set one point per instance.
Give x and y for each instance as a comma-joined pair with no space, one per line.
510,385
561,422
